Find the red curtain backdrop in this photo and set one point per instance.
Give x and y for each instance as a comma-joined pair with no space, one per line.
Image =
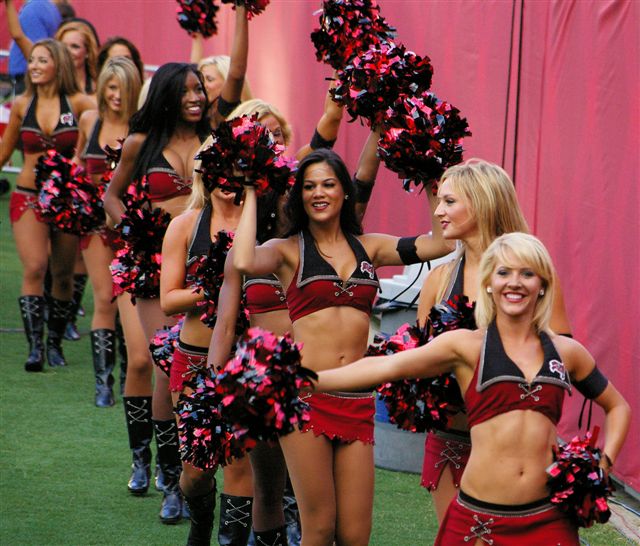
550,90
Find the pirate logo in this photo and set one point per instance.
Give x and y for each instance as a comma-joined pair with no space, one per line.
555,366
366,267
66,119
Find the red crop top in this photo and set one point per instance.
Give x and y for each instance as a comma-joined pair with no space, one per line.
499,386
164,182
316,285
62,140
94,156
264,294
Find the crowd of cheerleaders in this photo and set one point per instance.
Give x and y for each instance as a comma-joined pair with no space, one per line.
257,397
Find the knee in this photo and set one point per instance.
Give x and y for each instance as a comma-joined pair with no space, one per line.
139,369
62,283
35,272
354,534
195,482
319,530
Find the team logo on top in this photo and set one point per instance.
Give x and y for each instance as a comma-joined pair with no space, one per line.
66,119
367,268
555,366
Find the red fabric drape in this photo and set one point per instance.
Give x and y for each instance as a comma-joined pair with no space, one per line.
550,90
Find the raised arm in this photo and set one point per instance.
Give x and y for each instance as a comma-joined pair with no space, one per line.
439,356
559,320
122,177
224,332
326,132
247,258
231,92
366,173
197,48
175,296
12,132
15,29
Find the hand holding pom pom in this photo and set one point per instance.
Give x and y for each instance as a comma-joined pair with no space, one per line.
422,136
198,16
259,388
348,28
243,152
68,199
163,344
578,485
253,7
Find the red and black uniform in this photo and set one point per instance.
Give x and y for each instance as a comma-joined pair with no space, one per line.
34,141
453,447
264,294
498,386
163,180
316,285
187,358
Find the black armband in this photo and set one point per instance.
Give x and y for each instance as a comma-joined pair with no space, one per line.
593,385
567,335
225,108
318,141
363,191
407,250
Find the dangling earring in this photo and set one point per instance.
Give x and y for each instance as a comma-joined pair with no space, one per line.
489,290
541,292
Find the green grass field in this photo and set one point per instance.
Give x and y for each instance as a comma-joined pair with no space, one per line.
64,463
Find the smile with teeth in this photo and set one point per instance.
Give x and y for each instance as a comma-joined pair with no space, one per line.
320,205
512,296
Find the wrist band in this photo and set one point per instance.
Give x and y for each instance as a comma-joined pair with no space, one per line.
318,141
363,191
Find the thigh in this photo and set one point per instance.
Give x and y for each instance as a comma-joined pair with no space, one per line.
444,493
64,250
310,462
137,346
152,317
269,470
32,244
97,258
354,480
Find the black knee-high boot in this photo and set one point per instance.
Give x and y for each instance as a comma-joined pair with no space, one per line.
272,537
201,509
137,410
58,317
32,311
168,458
235,520
104,360
71,330
122,354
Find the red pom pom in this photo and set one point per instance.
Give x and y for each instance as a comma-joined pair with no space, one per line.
259,388
244,152
136,267
253,7
577,483
198,16
347,29
68,199
422,137
378,77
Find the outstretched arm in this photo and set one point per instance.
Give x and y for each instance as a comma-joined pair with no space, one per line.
437,357
231,92
224,332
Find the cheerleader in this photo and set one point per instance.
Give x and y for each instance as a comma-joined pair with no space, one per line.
43,118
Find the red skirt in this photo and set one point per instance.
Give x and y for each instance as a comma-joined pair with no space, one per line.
341,416
535,524
187,359
21,200
443,449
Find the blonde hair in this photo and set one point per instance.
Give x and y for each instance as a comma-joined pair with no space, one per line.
90,44
144,91
125,71
263,109
65,79
516,249
488,191
200,195
222,64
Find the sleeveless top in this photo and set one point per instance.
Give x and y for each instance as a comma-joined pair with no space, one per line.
499,386
62,140
316,285
164,182
264,294
94,156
